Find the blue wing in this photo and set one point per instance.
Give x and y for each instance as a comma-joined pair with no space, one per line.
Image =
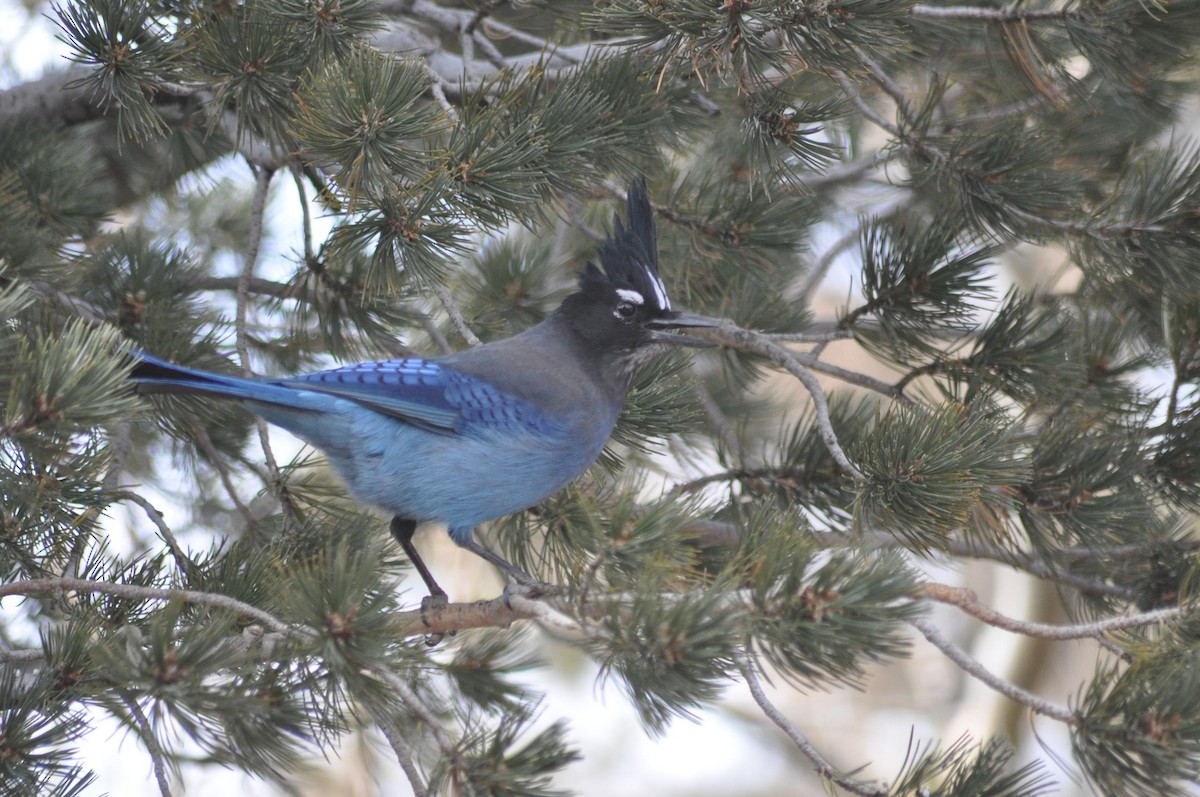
423,393
416,391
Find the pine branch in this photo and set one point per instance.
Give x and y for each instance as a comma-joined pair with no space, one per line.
22,656
850,377
817,274
59,299
262,177
968,601
453,20
181,558
146,731
417,707
718,419
821,764
55,101
730,334
918,145
456,315
310,255
259,286
403,756
438,87
482,13
768,474
985,14
43,587
990,679
923,147
205,444
437,619
808,337
1035,566
498,612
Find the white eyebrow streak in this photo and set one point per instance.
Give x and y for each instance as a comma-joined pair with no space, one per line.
631,296
660,292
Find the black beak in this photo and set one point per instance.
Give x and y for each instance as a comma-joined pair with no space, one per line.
676,320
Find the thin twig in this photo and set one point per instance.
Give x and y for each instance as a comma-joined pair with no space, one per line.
815,276
403,756
669,213
466,42
437,86
118,450
255,285
852,377
436,335
856,98
500,612
499,29
791,476
483,12
59,298
182,559
1036,567
849,172
732,335
118,447
51,586
205,443
976,670
718,419
808,337
922,147
824,768
1115,649
969,602
570,206
456,314
417,707
1077,552
490,51
21,655
157,757
997,113
262,187
305,214
890,87
542,612
922,11
281,290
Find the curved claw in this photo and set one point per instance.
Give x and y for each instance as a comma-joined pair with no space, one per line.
428,604
531,589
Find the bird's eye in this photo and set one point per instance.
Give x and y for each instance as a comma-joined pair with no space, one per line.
626,309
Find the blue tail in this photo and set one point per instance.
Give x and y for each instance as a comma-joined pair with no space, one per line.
153,375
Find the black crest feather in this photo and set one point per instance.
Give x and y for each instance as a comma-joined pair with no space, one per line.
629,255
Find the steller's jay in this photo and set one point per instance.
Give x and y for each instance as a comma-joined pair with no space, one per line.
487,431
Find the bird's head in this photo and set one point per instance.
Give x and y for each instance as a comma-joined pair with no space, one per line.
622,308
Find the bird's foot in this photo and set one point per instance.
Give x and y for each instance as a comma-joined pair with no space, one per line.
529,588
429,604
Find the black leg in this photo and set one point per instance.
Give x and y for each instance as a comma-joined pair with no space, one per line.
517,574
403,530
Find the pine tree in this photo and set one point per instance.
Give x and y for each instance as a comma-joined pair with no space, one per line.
765,512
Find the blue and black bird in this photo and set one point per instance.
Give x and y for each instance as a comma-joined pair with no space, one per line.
485,432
